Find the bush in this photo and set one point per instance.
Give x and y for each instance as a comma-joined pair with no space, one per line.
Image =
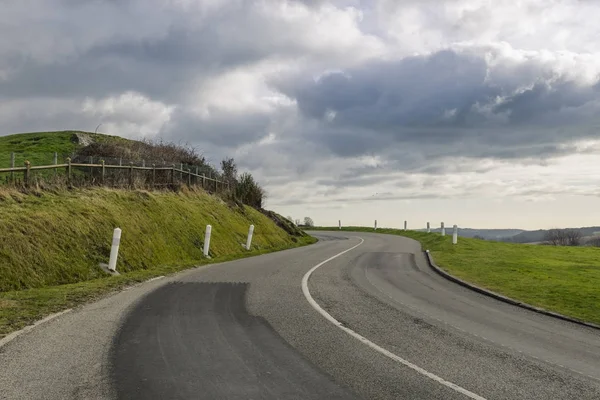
158,152
594,242
250,192
563,237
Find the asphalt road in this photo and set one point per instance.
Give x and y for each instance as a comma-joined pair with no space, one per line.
245,330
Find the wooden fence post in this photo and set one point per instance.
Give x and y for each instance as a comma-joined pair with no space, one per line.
131,174
12,165
26,173
91,161
189,178
55,162
203,181
196,177
103,172
181,172
173,175
69,170
153,175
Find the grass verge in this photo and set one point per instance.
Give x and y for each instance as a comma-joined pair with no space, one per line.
23,307
53,242
560,279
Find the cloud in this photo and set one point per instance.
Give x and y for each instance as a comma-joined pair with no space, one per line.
450,103
337,102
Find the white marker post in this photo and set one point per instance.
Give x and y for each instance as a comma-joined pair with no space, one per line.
340,224
443,230
249,241
455,235
375,224
428,228
207,240
405,225
114,250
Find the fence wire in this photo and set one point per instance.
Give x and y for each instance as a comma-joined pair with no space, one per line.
157,173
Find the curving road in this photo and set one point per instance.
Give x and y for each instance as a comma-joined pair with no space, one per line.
373,322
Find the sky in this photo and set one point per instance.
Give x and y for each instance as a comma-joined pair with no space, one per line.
480,113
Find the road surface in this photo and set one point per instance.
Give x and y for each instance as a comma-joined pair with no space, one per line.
373,323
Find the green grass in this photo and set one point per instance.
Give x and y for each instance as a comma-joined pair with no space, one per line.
52,243
561,279
39,147
21,308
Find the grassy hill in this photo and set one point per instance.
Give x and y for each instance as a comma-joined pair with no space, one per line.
52,243
39,147
53,240
561,279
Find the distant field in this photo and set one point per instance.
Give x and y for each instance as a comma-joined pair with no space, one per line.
561,279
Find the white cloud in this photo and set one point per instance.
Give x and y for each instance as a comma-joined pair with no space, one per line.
130,114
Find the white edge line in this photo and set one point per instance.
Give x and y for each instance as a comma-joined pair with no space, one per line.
14,335
366,341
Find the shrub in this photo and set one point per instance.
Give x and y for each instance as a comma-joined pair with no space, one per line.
249,191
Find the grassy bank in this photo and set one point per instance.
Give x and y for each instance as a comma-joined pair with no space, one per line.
39,147
561,279
52,243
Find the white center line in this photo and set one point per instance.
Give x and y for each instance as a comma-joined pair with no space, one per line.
366,341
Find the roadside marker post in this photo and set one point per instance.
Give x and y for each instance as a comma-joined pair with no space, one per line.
114,250
375,224
443,230
340,224
207,235
405,225
249,241
455,235
428,228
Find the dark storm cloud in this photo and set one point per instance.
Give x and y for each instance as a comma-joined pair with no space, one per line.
185,46
222,129
161,68
413,92
444,104
545,98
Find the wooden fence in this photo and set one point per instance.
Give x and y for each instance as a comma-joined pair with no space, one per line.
128,175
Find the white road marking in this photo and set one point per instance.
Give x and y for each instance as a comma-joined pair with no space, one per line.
366,341
14,335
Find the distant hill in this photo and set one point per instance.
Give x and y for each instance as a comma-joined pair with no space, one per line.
488,234
538,235
514,235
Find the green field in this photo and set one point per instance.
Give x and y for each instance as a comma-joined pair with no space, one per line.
561,279
52,242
